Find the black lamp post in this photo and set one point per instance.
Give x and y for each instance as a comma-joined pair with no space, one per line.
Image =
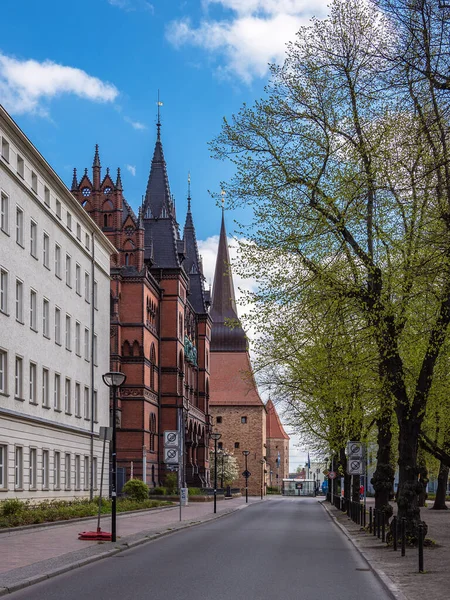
262,461
246,453
215,437
113,380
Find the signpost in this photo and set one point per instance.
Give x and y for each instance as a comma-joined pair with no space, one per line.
172,454
356,463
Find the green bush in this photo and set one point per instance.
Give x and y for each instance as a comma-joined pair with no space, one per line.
12,507
136,489
159,491
194,491
171,483
273,490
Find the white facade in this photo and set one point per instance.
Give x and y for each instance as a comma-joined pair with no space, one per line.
54,330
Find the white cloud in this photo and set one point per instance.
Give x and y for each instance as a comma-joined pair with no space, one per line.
135,124
254,36
131,169
24,85
132,5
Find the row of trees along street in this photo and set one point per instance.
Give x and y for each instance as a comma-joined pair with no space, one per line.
345,163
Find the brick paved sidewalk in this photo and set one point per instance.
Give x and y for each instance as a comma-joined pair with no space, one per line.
399,573
31,555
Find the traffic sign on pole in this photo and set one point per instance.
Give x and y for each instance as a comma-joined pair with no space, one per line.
332,475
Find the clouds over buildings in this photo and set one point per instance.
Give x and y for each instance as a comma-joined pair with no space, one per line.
246,35
26,86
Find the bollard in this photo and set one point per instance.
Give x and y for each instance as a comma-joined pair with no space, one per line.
370,519
374,522
394,532
364,515
361,515
383,526
421,548
378,523
403,533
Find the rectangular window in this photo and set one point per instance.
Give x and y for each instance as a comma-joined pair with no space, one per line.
33,382
77,400
3,291
46,250
57,470
45,390
3,367
57,325
4,213
95,408
19,301
58,261
94,473
68,271
95,294
86,344
67,397
236,444
34,182
68,328
94,358
57,392
5,150
18,376
45,469
86,472
18,468
33,239
78,338
86,403
19,226
46,195
33,468
20,166
87,287
58,209
78,231
218,419
78,279
77,471
33,310
3,468
69,221
86,241
67,471
243,420
46,318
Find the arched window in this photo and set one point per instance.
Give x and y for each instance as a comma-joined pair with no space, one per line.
152,366
180,325
105,220
136,349
126,349
152,427
127,259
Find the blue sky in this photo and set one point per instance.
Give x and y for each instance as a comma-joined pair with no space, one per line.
86,72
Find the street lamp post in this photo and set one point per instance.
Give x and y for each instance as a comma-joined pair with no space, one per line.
246,453
216,437
262,461
113,380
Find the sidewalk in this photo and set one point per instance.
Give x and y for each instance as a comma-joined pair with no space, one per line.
401,574
32,555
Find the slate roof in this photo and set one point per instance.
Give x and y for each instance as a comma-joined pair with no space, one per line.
192,264
274,427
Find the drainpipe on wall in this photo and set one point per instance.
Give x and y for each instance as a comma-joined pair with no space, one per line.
91,484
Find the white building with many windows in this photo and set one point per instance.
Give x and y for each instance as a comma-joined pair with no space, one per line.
54,330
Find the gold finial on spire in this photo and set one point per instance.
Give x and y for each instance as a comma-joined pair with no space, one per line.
222,193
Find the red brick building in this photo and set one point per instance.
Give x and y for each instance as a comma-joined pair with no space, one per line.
160,326
277,448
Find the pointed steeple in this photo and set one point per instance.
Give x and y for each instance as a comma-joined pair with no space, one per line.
157,196
118,181
96,162
223,305
96,168
74,187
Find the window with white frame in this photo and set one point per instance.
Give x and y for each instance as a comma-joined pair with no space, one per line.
78,338
86,472
3,467
58,208
68,270
19,301
18,468
94,358
87,287
86,344
45,469
19,226
58,260
33,469
18,378
95,407
78,231
86,404
57,325
69,221
94,473
20,166
78,279
87,241
3,290
34,182
57,392
77,400
46,317
33,239
57,470
67,396
33,310
46,195
77,471
4,212
5,149
45,388
68,328
3,371
33,382
95,294
46,250
67,471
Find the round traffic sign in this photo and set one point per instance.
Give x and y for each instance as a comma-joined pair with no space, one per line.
332,475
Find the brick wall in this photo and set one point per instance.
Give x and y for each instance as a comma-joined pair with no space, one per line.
276,474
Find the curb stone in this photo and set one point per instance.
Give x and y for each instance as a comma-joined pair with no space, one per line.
385,580
124,545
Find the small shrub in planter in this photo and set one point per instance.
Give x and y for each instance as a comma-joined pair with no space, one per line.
194,491
12,507
136,489
159,491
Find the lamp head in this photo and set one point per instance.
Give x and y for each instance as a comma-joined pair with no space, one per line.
245,452
114,379
216,436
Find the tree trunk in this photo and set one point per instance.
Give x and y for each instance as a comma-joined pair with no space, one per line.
356,482
441,492
383,477
423,478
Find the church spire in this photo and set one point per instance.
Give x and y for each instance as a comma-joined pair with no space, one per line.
74,187
96,167
118,180
192,263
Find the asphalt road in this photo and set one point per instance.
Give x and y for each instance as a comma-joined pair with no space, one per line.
286,548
